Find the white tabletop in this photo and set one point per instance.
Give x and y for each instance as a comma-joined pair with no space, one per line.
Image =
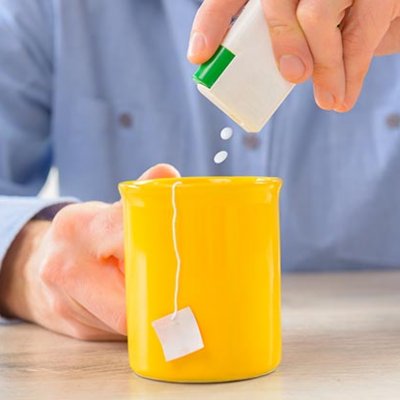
341,335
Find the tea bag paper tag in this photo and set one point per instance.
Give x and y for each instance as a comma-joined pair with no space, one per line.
179,336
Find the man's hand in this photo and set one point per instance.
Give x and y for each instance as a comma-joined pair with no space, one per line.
67,275
331,41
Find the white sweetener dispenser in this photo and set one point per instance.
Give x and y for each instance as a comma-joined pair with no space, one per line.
242,78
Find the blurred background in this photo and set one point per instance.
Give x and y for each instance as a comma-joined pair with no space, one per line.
50,189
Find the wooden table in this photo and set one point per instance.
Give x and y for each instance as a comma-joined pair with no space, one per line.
341,341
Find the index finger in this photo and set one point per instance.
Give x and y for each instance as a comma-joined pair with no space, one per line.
101,291
210,25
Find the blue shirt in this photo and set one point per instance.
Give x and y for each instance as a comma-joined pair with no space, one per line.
102,90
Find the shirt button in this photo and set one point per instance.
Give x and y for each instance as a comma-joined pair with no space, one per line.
393,121
125,120
251,141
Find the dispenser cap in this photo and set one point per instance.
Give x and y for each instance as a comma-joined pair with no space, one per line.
208,73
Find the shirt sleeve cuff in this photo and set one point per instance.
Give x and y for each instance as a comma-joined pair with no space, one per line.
15,212
7,321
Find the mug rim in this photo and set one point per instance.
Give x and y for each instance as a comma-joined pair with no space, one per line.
198,181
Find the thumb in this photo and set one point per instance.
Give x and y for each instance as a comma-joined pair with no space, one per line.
108,219
160,171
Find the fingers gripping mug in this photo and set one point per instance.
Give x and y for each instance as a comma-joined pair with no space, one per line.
207,248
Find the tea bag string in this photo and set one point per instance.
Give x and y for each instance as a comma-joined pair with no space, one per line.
176,250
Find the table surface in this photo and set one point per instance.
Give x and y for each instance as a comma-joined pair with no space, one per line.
341,338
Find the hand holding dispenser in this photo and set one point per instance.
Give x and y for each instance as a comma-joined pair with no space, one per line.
242,78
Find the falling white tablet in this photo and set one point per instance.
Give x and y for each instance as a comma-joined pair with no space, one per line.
220,157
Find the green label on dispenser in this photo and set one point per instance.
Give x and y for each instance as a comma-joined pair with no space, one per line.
210,71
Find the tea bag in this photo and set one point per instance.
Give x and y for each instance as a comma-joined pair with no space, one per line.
178,333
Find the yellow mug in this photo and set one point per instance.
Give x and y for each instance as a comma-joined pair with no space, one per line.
227,235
